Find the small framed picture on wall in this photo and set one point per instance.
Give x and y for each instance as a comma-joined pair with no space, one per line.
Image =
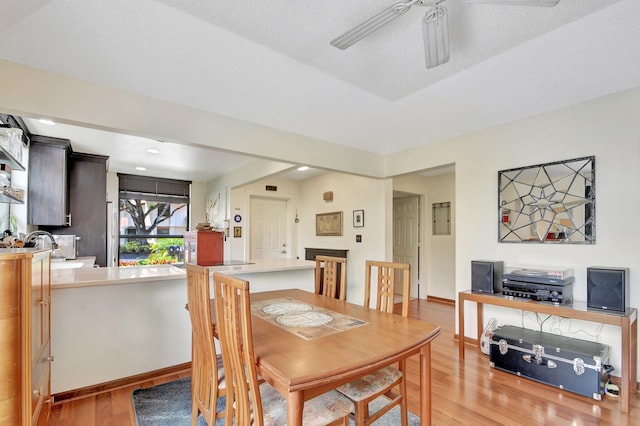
358,218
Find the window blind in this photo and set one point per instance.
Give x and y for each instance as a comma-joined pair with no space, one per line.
152,185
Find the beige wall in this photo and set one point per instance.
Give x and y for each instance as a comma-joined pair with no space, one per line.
198,198
441,263
350,193
31,92
305,199
607,128
437,251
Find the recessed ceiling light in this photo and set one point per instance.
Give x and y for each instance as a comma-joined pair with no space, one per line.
47,122
142,169
153,151
303,168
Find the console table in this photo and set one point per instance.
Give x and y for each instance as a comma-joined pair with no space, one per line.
627,322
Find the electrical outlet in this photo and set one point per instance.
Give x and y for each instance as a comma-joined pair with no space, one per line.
358,238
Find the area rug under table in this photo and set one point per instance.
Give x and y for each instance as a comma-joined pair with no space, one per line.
169,404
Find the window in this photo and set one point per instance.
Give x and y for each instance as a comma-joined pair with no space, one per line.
154,213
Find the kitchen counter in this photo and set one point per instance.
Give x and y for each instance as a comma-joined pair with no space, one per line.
78,262
84,277
131,320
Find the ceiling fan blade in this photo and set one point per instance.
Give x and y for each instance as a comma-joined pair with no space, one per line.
542,3
435,29
370,25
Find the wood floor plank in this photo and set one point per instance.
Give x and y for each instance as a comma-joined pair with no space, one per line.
466,393
104,409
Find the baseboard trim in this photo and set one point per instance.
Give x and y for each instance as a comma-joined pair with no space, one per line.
449,302
467,340
119,383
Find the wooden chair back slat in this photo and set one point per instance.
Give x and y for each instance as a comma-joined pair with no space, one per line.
331,277
388,275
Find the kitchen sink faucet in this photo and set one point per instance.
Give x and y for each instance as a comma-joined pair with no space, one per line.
54,245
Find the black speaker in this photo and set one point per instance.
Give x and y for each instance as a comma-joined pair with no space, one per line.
486,276
608,288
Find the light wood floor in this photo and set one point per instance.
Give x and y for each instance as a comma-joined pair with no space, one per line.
463,393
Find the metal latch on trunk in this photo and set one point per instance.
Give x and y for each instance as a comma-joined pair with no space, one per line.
538,352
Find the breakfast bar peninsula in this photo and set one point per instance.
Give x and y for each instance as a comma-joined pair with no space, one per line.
117,322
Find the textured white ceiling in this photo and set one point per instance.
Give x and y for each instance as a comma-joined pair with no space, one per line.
270,62
390,62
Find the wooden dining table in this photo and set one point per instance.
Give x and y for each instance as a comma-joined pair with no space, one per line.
302,368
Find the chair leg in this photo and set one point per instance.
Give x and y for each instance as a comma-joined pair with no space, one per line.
194,406
403,393
194,413
362,412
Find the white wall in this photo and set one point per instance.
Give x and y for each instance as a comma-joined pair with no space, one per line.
441,248
35,92
350,193
607,128
113,188
102,333
305,198
438,251
241,202
198,199
374,196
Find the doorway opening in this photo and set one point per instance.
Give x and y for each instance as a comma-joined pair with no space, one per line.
407,236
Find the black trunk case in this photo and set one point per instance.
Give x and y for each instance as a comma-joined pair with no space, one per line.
563,362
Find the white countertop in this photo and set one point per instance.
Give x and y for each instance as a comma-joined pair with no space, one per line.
85,277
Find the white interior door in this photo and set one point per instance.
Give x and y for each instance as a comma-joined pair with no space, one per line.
268,228
406,238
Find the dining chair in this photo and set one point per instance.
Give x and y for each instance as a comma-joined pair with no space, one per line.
207,375
388,275
383,381
331,277
253,402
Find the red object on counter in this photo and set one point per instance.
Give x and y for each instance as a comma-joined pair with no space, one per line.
205,248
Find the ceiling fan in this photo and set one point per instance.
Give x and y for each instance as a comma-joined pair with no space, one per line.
435,27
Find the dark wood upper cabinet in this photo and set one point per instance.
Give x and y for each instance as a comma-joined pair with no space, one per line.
48,201
68,194
88,205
